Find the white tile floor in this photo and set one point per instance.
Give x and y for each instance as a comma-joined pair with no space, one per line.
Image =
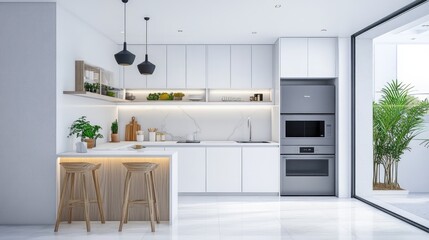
234,218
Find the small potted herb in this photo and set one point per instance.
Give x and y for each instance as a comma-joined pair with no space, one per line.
178,95
114,136
88,133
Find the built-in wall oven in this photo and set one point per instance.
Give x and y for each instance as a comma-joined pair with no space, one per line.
307,173
307,140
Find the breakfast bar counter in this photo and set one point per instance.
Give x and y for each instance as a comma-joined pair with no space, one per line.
112,177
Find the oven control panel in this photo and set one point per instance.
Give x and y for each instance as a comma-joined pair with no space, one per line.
306,150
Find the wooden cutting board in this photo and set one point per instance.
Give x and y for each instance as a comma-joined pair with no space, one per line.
131,130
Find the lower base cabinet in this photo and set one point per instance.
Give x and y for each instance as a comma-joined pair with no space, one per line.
261,170
227,169
192,168
224,169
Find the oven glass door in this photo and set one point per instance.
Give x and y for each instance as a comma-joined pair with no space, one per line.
308,167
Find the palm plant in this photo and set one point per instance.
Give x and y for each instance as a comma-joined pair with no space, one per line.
397,119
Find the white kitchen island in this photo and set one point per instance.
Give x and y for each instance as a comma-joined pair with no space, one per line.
112,177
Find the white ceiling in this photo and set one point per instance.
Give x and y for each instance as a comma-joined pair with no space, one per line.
229,21
415,32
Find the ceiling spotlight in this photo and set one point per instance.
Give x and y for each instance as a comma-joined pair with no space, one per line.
425,25
323,30
413,39
278,6
254,32
180,30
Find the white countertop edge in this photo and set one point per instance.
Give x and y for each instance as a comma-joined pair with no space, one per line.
119,153
128,144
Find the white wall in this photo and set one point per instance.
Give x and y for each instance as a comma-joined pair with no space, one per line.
211,122
364,97
27,90
78,41
343,119
385,66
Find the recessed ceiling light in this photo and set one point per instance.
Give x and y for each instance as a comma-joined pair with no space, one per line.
413,39
323,30
180,30
278,6
254,32
425,25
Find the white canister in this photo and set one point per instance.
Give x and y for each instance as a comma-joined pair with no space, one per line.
152,136
140,138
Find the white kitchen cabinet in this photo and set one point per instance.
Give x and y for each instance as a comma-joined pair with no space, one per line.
158,56
241,66
223,169
192,168
293,57
262,66
322,57
195,66
308,57
261,169
131,75
219,66
176,66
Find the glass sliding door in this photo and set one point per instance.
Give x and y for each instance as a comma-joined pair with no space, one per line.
390,122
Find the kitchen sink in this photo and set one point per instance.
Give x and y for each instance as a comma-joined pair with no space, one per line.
252,142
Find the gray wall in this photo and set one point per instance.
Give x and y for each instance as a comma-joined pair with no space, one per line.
28,113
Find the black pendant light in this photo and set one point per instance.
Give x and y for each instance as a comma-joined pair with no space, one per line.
146,67
124,57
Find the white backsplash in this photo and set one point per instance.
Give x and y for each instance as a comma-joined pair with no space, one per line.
218,123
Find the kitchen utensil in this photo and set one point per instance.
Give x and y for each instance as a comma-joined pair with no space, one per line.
131,130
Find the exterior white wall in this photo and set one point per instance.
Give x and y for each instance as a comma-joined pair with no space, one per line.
364,97
27,90
385,66
391,61
78,41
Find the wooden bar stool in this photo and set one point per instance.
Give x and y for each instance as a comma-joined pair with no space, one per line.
79,168
151,202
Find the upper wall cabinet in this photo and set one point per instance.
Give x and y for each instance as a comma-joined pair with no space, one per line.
158,56
241,66
195,66
308,57
262,66
176,70
131,75
219,66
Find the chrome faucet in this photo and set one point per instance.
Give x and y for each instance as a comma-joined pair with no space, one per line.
249,125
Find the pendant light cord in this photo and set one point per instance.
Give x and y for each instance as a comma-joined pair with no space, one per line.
146,36
125,22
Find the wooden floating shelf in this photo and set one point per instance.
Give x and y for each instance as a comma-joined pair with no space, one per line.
95,96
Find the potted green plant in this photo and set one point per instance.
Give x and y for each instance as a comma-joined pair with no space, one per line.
114,136
397,119
87,86
83,129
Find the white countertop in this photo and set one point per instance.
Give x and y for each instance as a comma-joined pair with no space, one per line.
124,148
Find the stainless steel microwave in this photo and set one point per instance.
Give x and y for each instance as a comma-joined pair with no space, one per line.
307,130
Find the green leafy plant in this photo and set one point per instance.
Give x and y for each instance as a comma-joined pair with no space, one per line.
397,119
82,128
114,127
